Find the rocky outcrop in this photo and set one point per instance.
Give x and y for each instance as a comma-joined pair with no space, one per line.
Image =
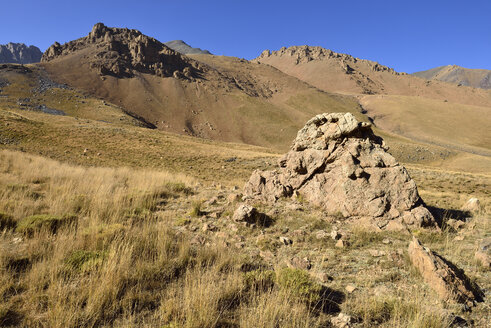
338,163
121,52
449,282
19,53
185,49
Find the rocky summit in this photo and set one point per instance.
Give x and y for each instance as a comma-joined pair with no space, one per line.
19,53
338,162
121,52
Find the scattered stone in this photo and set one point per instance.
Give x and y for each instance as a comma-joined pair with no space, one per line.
483,258
286,240
376,253
450,283
350,288
473,205
338,163
322,276
266,255
455,225
386,241
341,243
341,321
299,263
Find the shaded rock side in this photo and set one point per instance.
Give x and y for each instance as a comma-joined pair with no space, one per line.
450,283
338,163
121,52
19,53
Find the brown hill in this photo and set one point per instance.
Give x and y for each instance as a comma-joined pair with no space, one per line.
213,97
435,112
477,78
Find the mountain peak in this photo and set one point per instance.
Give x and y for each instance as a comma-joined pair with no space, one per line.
19,53
184,48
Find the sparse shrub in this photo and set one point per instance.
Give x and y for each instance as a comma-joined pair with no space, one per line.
30,224
260,279
84,261
299,284
196,209
6,222
362,237
178,187
182,221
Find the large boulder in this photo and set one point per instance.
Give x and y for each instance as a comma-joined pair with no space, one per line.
450,283
338,163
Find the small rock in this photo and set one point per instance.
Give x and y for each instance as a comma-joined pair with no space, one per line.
209,227
321,234
294,207
299,263
350,288
232,198
240,245
341,321
286,240
459,238
335,235
473,205
198,240
386,241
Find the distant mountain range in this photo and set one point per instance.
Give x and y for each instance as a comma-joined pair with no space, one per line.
185,49
19,53
477,78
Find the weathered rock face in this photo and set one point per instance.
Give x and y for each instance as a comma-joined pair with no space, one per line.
451,284
19,53
338,163
121,52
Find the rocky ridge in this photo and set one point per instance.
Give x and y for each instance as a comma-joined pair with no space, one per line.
121,52
338,163
304,54
19,53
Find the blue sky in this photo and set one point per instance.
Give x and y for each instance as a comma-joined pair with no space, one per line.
408,35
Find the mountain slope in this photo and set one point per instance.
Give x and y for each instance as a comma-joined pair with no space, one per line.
476,78
250,103
19,53
434,112
184,48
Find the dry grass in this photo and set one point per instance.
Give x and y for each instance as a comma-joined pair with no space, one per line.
118,263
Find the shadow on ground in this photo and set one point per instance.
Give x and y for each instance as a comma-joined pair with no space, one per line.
442,215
